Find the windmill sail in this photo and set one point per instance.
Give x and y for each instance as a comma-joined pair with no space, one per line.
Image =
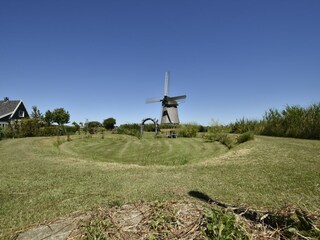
169,104
166,83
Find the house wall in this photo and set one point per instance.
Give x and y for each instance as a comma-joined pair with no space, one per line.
3,124
18,114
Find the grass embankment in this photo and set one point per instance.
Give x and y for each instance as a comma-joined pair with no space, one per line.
41,181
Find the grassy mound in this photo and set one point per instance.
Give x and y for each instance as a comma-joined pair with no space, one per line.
146,151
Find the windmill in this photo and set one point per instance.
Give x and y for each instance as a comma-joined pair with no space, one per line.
169,104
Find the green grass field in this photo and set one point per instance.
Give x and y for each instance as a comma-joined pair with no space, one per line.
41,180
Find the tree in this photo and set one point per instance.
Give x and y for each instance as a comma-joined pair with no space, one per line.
77,126
109,123
48,117
93,126
60,116
36,114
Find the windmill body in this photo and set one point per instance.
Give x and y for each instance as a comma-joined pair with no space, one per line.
169,104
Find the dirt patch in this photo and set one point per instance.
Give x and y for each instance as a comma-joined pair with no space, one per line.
167,220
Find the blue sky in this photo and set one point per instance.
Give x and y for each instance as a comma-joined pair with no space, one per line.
100,59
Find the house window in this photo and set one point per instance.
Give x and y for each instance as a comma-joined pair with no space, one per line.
21,113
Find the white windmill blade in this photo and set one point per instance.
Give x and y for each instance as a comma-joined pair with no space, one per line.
153,100
179,97
166,83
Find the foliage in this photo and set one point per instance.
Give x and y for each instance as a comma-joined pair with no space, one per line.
28,127
217,132
244,137
69,130
48,131
132,129
77,127
36,114
202,128
60,116
222,225
93,126
109,123
48,117
8,132
56,130
293,121
244,125
226,140
214,133
1,133
188,130
149,127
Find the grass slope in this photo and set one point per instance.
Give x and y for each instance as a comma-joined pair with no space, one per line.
41,181
145,151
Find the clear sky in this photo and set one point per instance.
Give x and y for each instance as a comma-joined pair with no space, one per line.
100,59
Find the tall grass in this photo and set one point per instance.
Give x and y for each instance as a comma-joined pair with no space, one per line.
293,121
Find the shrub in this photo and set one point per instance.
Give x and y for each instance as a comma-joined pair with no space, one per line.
221,225
70,130
8,131
130,129
226,140
48,131
214,132
28,128
188,130
202,128
244,125
93,127
244,137
109,123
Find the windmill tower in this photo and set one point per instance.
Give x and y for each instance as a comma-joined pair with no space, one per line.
169,104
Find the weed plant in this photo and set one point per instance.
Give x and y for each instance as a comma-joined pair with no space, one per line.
223,225
96,229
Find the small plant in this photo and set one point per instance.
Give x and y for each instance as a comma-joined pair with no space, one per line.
222,225
244,137
96,229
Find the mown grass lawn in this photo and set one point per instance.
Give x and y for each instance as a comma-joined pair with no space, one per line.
41,180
